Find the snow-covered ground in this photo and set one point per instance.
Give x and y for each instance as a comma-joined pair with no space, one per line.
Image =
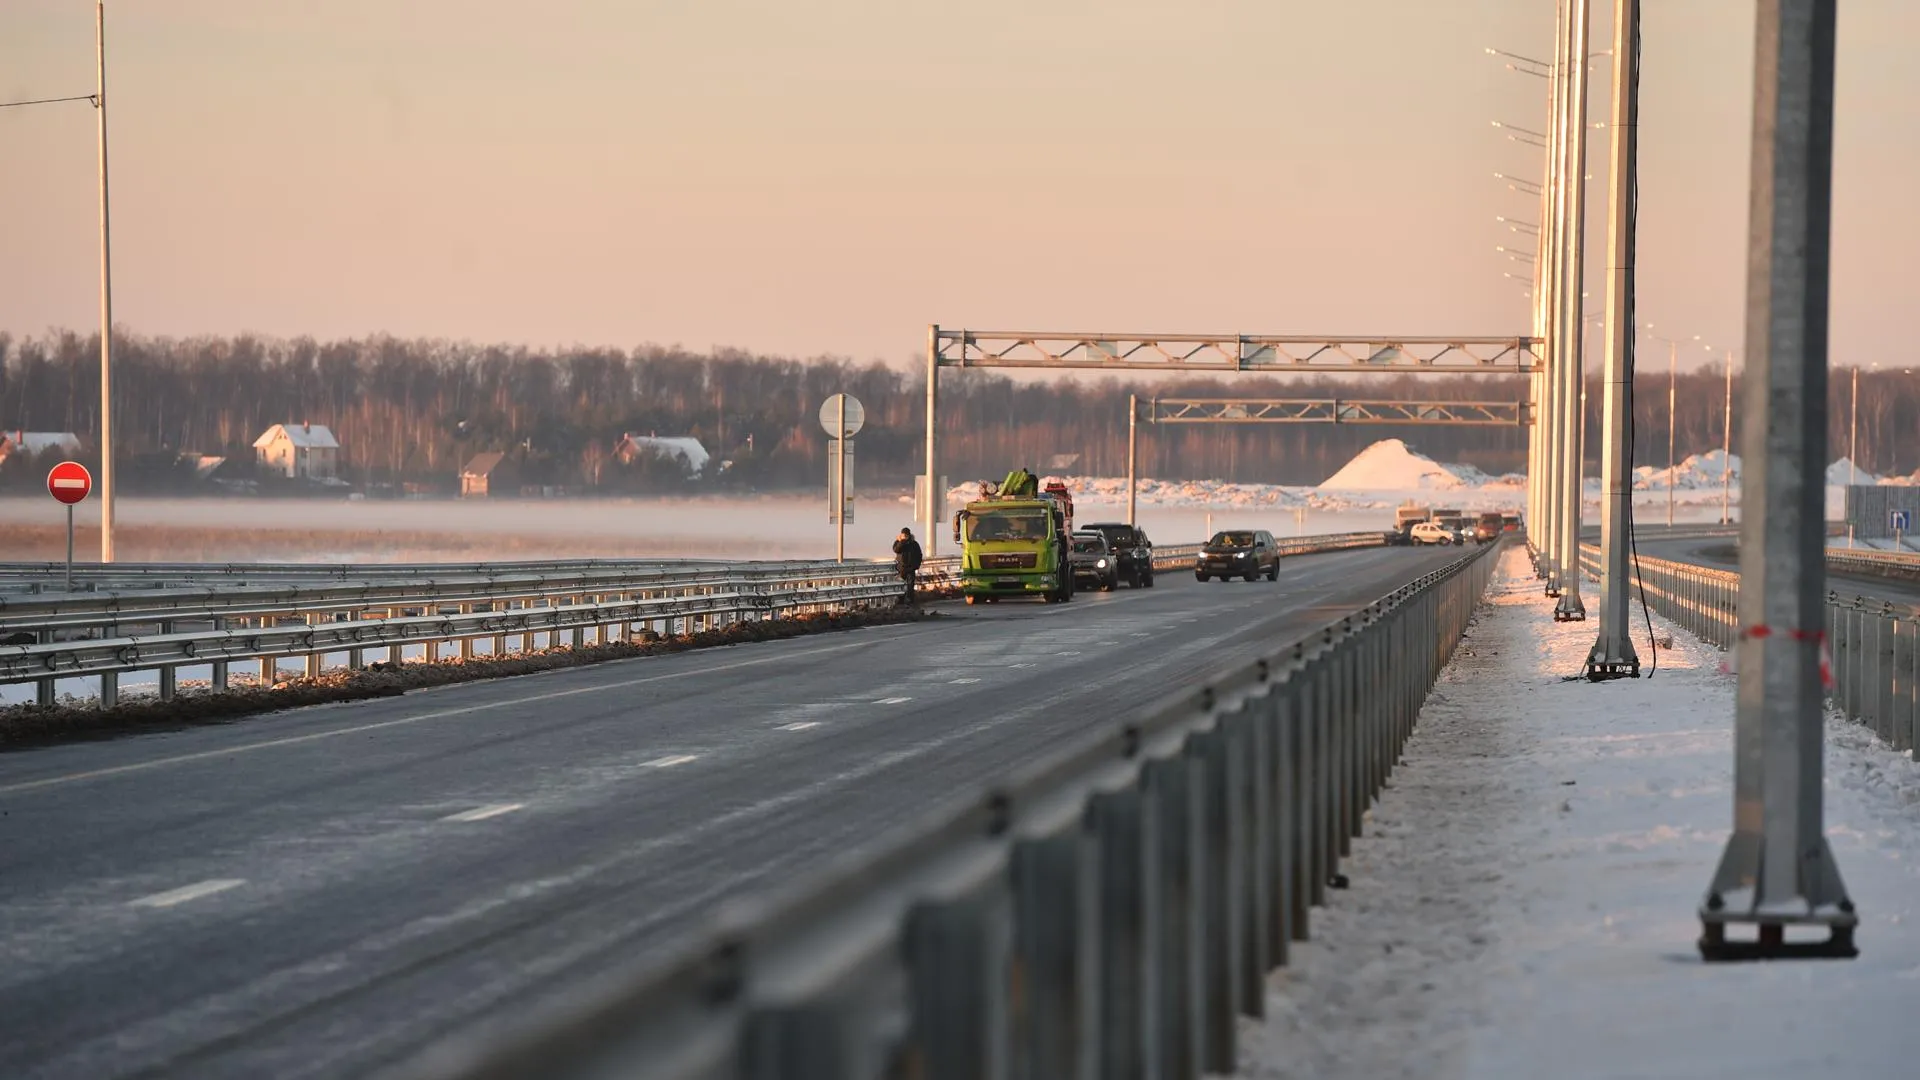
1522,904
1389,473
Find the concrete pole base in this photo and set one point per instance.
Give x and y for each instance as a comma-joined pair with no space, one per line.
1570,609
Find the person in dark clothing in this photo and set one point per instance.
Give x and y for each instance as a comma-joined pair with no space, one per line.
906,560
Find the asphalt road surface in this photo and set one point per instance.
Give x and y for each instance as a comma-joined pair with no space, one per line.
322,891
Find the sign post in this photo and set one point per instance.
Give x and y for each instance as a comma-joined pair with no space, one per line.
842,416
69,482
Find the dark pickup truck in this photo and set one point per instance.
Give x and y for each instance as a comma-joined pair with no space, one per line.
1131,550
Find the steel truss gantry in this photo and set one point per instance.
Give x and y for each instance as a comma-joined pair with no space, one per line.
1271,354
1335,411
1502,355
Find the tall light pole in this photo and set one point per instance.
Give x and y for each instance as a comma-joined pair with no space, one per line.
99,100
1853,447
1613,655
1726,450
1673,376
1778,871
106,292
1570,607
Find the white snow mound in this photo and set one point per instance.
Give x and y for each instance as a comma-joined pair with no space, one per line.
1392,465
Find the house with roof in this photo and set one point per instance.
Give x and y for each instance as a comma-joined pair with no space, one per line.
486,474
300,451
692,456
38,444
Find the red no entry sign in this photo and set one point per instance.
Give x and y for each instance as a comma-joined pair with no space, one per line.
69,482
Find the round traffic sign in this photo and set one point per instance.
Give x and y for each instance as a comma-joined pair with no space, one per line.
830,416
69,482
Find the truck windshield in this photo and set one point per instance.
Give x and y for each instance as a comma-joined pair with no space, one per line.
1231,540
1026,524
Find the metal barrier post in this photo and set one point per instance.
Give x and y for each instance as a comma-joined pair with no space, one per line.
1127,831
1056,1022
1223,764
958,954
1175,797
169,675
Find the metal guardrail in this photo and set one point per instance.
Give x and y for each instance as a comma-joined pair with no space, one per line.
1890,564
1105,912
110,634
343,626
1874,643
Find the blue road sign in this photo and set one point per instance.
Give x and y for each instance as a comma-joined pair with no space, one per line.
1900,520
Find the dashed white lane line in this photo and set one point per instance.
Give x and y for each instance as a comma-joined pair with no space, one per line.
482,813
189,892
893,701
669,761
437,714
799,725
964,682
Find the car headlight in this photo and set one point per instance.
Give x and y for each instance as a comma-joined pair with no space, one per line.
1240,554
1101,565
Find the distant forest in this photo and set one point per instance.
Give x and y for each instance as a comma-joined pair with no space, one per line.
414,411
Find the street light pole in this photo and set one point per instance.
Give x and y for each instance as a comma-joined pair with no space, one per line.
1570,607
1853,447
1133,453
106,294
1726,450
1673,378
1777,870
1613,655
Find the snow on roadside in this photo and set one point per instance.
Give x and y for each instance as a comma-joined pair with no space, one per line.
1523,901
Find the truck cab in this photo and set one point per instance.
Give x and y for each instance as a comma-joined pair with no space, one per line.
1011,547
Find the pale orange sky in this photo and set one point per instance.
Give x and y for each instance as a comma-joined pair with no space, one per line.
831,176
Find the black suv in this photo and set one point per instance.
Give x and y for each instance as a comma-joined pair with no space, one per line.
1131,549
1236,553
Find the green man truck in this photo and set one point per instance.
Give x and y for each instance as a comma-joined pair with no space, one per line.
1014,541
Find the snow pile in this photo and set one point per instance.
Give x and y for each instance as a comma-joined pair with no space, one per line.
1392,465
1523,903
1699,472
1837,474
1194,494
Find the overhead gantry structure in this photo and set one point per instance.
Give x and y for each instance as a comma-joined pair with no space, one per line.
1267,354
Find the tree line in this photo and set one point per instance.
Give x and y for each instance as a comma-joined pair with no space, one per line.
412,411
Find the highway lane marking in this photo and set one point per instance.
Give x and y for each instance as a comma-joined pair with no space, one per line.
799,725
893,701
964,682
440,714
482,813
669,761
188,892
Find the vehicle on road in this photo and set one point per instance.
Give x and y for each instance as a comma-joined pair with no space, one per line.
1014,541
1131,550
1488,528
1510,522
1432,532
1093,561
1233,553
1405,517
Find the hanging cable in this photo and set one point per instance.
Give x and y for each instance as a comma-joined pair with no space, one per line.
1633,339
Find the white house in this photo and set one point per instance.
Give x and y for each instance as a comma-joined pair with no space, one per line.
691,455
35,444
299,451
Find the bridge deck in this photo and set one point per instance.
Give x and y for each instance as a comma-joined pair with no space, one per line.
314,892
